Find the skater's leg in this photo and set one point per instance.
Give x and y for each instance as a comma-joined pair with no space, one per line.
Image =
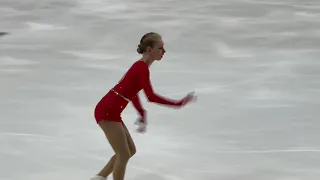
116,135
131,144
106,171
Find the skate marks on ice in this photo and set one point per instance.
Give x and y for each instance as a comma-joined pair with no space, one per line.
145,173
3,33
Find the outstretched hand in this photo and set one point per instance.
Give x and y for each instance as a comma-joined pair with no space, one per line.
141,122
190,97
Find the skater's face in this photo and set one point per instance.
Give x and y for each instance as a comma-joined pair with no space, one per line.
157,51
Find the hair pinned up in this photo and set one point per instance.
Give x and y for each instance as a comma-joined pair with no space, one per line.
147,40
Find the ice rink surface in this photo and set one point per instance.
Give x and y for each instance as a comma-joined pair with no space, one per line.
254,65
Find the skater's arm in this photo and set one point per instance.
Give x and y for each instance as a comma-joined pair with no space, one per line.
137,105
151,95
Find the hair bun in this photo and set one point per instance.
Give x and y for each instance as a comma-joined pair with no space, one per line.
147,40
140,49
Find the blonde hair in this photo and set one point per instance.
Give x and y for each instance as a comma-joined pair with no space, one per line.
147,40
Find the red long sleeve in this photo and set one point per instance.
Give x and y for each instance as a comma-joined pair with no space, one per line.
151,95
137,104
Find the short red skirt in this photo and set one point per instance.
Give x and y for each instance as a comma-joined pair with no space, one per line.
110,107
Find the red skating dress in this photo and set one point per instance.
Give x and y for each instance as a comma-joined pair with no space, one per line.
115,101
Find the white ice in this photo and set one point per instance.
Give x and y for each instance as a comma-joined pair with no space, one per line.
254,65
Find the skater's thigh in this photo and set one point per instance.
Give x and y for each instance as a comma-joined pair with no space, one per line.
116,135
131,144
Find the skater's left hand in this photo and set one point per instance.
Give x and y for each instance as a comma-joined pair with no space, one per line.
142,122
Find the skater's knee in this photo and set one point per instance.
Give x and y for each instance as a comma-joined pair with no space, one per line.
133,151
123,155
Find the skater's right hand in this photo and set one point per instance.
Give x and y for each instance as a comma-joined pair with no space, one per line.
190,97
142,125
141,122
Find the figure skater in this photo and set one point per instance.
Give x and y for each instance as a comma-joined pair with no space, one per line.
109,108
